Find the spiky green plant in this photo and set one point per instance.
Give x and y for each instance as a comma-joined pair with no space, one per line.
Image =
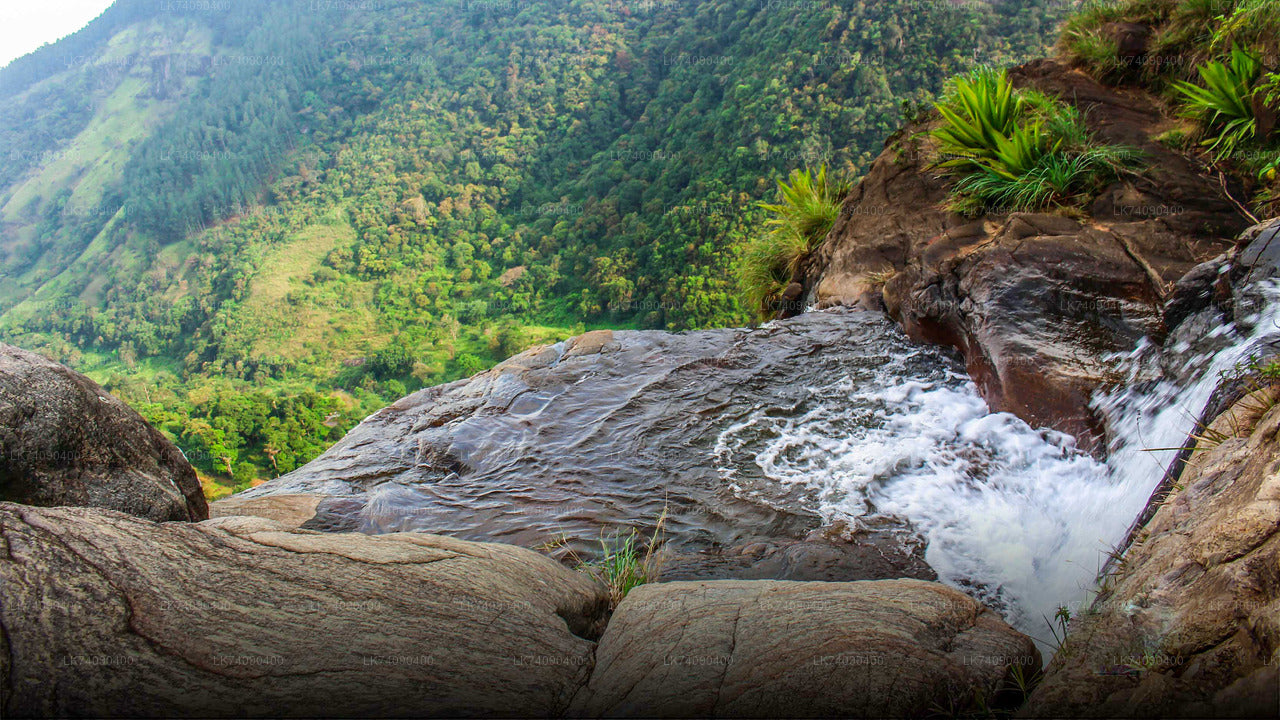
1015,150
981,110
808,203
1224,106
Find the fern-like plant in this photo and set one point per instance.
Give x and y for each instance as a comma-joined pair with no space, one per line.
1224,106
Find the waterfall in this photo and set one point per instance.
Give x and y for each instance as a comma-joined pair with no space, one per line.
1014,515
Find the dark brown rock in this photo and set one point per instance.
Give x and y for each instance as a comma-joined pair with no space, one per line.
1131,41
66,441
1034,301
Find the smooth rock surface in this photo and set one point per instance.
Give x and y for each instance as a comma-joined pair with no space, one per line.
106,615
292,511
1189,623
608,431
888,648
66,441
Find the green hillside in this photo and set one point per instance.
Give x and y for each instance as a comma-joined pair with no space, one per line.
258,221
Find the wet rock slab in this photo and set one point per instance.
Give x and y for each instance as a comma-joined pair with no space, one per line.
607,432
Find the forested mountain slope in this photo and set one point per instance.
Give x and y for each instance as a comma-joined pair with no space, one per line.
259,220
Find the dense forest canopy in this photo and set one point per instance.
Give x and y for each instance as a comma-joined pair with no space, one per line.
259,220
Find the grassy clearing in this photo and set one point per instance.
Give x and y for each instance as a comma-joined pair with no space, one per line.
1217,62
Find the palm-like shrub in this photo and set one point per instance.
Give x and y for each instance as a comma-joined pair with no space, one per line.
1015,150
981,110
808,204
1224,106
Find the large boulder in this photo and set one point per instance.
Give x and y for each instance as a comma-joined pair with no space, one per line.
106,615
66,441
730,648
1188,623
1035,301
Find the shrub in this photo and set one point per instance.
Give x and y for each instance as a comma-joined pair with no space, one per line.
393,361
808,204
1016,150
1224,106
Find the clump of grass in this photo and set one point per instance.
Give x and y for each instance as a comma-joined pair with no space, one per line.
1251,23
1186,33
1058,627
808,203
1017,150
626,559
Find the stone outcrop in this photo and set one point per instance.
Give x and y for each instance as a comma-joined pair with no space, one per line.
889,648
106,615
1035,301
1188,623
292,511
66,441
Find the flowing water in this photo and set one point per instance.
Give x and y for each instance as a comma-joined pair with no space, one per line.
1015,516
741,434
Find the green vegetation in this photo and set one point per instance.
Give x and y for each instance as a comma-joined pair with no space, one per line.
808,204
1216,60
357,201
623,565
625,560
1224,105
1016,150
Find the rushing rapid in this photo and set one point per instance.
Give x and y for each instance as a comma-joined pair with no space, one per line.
1016,516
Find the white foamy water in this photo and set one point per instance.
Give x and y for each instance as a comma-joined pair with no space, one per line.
1014,515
